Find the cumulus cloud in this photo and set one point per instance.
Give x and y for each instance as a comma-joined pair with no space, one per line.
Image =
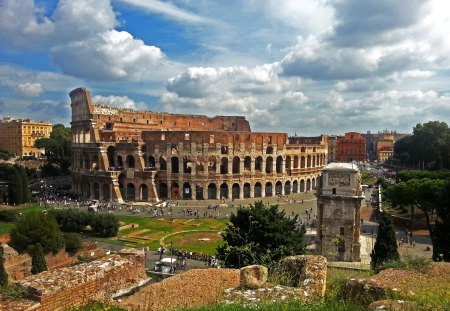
119,102
28,89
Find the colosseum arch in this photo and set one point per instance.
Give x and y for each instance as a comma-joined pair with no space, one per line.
314,161
130,161
224,191
119,162
224,166
246,190
199,164
131,192
111,152
278,188
151,162
269,165
258,190
235,191
175,190
258,164
268,189
95,163
308,162
308,184
295,186
313,183
279,164
302,185
187,191
187,165
144,149
236,165
143,192
175,165
163,163
288,163
96,189
247,164
302,162
212,164
287,187
212,191
87,162
86,189
269,150
163,191
295,161
121,180
199,192
106,193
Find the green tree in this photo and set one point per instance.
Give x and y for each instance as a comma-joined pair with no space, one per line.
385,248
259,235
37,227
73,242
3,273
24,183
38,263
71,220
104,225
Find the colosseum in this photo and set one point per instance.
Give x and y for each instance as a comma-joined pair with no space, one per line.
128,155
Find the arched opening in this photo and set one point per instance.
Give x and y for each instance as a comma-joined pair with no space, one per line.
278,188
151,162
258,190
269,165
224,191
87,162
187,191
95,164
258,164
163,193
144,149
86,187
287,188
279,164
302,162
246,190
269,150
106,194
119,162
295,161
143,191
96,191
288,163
224,150
175,165
111,152
308,163
268,189
302,185
187,165
236,189
131,192
163,163
199,164
175,191
314,161
122,185
199,192
130,161
212,164
308,184
224,166
212,192
313,183
247,164
236,165
295,186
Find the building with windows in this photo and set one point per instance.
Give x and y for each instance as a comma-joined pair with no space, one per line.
351,147
123,154
17,136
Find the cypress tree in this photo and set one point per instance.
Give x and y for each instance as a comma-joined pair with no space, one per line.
3,273
385,248
38,263
24,183
15,191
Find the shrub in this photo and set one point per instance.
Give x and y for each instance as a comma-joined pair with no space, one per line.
3,273
104,225
73,242
71,220
38,263
8,216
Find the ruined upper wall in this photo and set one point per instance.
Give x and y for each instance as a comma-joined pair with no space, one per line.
81,104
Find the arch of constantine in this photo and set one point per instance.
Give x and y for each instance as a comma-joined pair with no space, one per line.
123,154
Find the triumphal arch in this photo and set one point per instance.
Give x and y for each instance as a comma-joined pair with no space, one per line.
128,155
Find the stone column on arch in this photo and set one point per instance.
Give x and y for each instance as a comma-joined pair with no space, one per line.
241,191
205,191
252,190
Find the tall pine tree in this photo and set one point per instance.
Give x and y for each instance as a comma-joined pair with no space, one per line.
385,248
38,263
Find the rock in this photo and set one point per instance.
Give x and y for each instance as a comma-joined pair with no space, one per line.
253,276
308,272
394,305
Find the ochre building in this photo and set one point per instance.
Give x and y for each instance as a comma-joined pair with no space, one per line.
17,136
351,147
122,154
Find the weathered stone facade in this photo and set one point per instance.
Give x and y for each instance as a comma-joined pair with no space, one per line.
339,197
121,154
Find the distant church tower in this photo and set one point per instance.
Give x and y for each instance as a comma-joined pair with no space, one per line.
339,197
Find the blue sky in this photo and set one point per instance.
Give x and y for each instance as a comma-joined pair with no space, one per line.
297,66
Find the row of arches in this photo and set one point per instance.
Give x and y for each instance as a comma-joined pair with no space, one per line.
103,191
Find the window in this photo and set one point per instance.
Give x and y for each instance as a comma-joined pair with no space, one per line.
334,191
174,122
270,140
187,136
163,136
211,139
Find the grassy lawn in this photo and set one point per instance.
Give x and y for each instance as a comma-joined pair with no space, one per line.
6,227
183,233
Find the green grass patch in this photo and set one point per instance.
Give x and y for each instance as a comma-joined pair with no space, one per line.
196,241
6,227
368,178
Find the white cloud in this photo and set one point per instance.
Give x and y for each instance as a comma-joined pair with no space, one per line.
167,9
28,89
119,102
110,55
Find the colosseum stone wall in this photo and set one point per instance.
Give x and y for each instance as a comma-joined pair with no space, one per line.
127,155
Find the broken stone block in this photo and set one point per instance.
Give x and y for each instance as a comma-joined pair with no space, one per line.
253,276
